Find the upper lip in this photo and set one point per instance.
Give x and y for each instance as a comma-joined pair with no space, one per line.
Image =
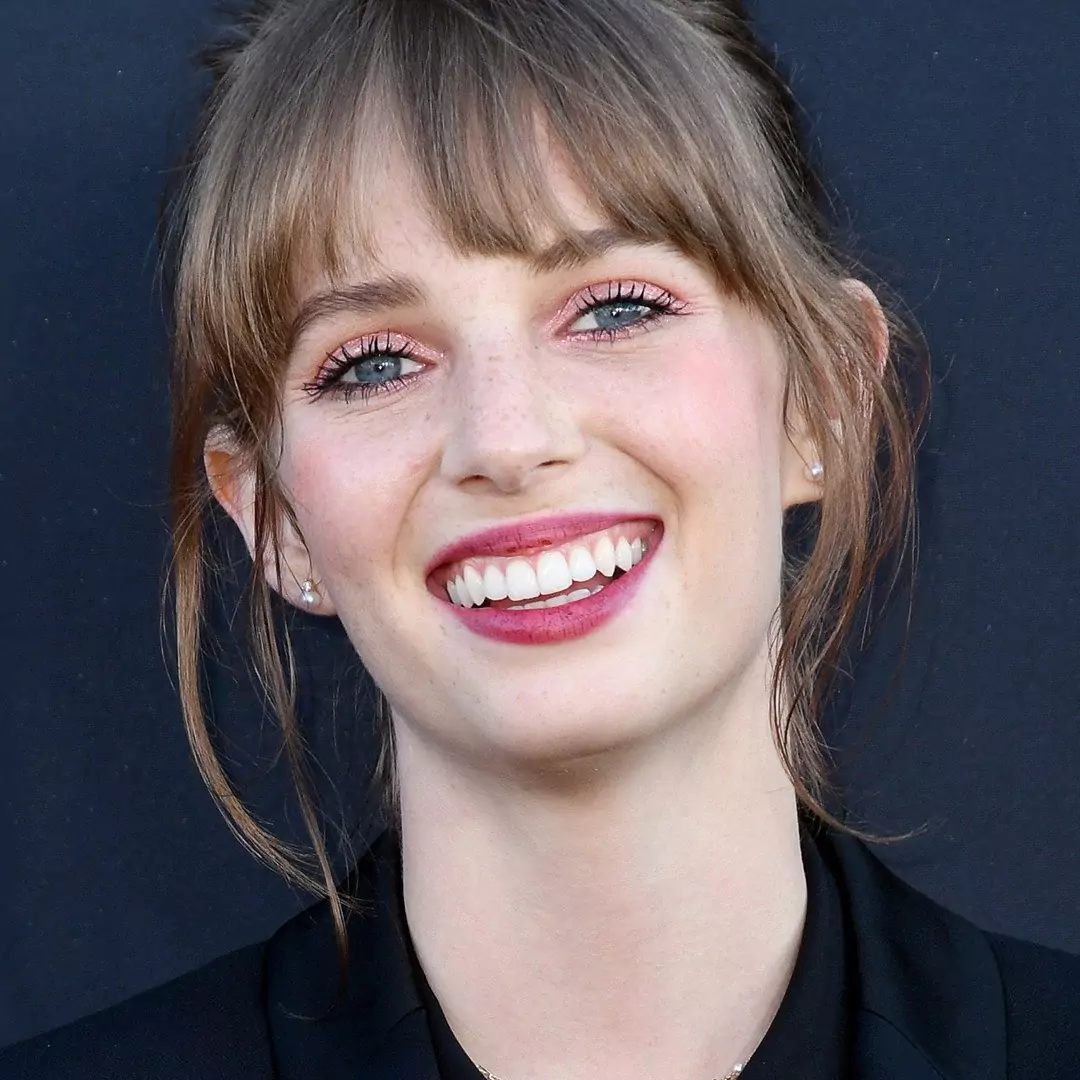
519,537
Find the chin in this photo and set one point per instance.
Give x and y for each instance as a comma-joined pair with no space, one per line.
567,738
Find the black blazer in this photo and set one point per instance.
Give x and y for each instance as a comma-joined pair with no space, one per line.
938,999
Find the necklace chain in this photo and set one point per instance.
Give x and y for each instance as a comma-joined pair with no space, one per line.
733,1075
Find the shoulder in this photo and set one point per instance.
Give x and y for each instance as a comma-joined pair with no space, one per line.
975,1004
238,1015
1042,1007
208,1024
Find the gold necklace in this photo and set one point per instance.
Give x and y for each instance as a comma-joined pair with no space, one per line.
733,1075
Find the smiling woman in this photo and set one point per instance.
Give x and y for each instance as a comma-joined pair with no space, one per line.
484,245
509,334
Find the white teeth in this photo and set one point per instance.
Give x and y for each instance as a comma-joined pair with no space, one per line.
494,583
557,601
464,599
552,573
521,583
604,556
582,566
475,584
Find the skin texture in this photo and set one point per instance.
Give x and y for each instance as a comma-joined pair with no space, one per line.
601,853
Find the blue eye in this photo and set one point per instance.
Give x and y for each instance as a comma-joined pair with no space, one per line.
378,369
374,367
620,309
614,316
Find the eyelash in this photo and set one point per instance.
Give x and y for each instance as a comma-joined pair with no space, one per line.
330,379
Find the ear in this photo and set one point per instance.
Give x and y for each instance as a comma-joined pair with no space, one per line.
232,481
803,476
875,319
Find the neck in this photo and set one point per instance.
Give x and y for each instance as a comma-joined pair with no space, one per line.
640,919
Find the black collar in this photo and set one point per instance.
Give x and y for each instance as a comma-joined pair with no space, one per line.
930,1004
930,991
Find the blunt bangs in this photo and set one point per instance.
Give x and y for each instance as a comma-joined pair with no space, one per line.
474,96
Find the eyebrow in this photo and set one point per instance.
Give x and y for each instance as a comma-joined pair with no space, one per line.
361,298
366,297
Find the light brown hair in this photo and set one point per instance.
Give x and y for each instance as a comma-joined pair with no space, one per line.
677,127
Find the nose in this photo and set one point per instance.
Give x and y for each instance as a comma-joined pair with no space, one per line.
511,422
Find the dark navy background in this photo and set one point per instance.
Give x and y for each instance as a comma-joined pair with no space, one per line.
950,132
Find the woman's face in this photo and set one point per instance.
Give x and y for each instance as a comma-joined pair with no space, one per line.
478,393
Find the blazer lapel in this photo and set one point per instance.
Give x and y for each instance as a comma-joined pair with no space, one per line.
376,1030
931,999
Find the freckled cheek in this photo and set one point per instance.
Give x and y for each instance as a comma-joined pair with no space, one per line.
705,418
727,473
352,496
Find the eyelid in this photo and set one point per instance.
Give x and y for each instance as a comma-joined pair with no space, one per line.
613,290
330,374
355,350
380,341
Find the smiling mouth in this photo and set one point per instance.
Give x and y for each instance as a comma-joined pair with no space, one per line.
550,576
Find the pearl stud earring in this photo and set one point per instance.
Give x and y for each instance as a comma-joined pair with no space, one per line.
815,471
309,593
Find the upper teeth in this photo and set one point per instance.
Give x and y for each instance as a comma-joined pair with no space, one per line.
525,578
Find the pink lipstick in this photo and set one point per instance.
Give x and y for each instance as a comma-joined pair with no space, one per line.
524,537
546,625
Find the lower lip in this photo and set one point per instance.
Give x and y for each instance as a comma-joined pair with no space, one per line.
543,626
